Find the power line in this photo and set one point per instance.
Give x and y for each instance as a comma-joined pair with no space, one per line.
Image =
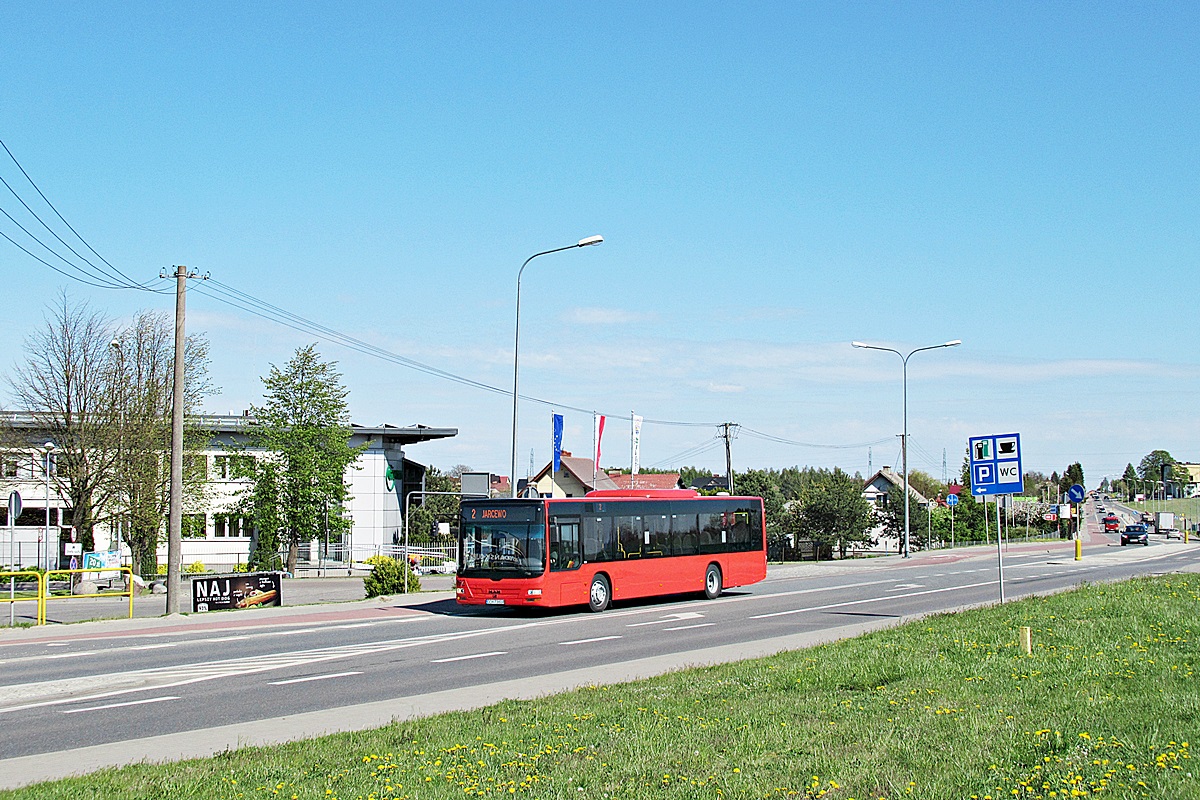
100,278
129,283
780,440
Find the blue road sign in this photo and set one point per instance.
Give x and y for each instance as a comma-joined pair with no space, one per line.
996,464
952,500
1075,494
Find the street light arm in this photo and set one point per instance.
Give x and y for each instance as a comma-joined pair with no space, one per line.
586,242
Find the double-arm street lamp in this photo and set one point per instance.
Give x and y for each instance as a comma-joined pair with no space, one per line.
904,446
591,240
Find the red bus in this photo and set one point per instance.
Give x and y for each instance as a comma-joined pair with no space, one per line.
608,545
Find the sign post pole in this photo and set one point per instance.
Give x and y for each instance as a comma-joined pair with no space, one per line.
952,501
995,463
999,551
14,511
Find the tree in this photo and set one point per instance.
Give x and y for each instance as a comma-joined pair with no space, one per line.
1129,478
1073,475
64,383
1150,468
142,370
761,483
926,484
832,512
303,433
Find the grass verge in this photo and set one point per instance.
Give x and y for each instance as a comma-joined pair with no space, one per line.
948,707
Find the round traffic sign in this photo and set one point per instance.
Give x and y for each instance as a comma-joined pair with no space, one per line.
952,500
1075,494
14,507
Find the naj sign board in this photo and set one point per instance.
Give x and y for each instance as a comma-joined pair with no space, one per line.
224,592
996,464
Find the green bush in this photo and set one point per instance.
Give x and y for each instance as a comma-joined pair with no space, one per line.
389,576
195,566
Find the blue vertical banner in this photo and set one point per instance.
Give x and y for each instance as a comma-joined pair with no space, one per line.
558,428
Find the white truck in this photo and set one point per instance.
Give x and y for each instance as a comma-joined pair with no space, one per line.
1164,521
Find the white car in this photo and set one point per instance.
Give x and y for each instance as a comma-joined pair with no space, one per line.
1173,534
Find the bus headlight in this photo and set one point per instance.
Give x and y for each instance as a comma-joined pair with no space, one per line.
460,590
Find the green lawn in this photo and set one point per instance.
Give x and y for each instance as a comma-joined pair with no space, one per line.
948,707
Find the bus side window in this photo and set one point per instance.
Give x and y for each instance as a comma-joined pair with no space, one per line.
598,539
564,544
684,536
712,538
740,533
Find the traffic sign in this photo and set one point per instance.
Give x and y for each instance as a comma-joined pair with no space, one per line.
1075,494
1052,517
952,500
14,507
996,464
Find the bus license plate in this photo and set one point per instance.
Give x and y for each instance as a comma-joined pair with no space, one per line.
493,602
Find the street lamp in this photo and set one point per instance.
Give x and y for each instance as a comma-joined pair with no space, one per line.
589,241
48,447
904,448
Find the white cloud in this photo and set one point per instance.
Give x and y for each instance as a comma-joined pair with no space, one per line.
605,316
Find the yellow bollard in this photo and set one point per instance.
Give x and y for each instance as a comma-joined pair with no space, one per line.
1026,640
1078,549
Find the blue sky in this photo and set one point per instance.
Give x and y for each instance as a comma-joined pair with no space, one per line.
772,181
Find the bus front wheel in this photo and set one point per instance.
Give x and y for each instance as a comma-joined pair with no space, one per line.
712,582
599,594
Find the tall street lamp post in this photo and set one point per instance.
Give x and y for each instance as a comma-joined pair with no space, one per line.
591,240
904,383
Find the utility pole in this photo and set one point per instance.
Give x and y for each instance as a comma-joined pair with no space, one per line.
728,436
175,515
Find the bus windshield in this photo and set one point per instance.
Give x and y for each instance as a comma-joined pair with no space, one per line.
502,541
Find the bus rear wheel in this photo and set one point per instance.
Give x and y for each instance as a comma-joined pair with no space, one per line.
712,582
599,594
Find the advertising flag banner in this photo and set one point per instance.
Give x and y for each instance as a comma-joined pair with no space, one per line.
599,434
636,444
557,436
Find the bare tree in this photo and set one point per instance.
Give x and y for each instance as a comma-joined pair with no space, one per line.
142,364
64,382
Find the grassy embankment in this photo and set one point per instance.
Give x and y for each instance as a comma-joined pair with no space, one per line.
949,707
1183,509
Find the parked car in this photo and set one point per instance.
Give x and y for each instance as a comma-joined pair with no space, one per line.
1135,534
1112,524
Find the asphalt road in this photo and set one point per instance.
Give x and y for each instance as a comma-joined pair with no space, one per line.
106,693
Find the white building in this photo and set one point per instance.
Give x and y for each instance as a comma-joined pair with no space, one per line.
379,481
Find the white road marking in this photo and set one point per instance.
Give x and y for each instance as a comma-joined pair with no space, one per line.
690,627
907,586
73,655
589,641
668,618
155,646
121,705
314,678
870,600
467,658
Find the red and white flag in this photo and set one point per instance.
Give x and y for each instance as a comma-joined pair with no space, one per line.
598,419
